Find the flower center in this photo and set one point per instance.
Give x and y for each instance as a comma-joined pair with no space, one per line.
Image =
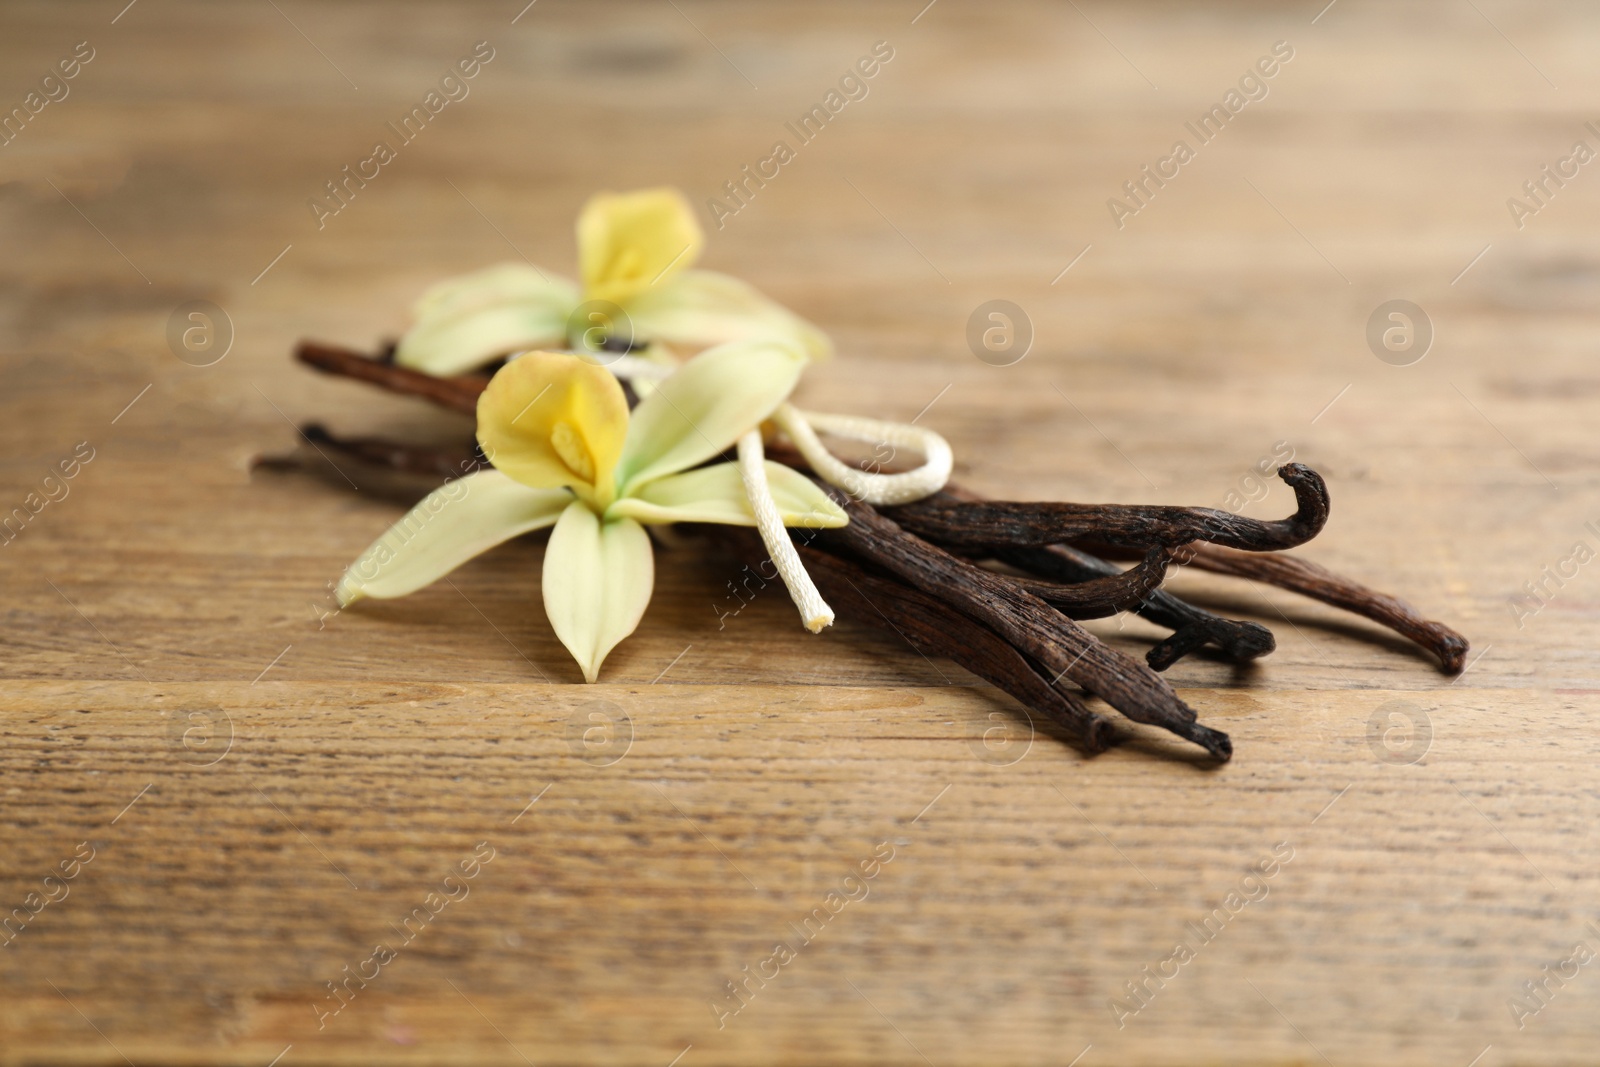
564,439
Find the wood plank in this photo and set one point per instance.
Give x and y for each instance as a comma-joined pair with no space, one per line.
172,592
678,859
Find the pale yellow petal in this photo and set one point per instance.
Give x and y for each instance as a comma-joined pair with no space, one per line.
549,420
701,410
630,241
702,307
467,321
717,494
490,285
597,582
451,525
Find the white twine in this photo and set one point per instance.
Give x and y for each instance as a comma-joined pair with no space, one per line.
877,489
801,426
814,611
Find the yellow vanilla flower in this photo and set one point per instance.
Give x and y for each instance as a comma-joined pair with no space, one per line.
635,251
566,453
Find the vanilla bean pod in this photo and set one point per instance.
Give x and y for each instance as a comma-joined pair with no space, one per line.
1103,595
457,394
411,459
875,600
1058,645
1093,599
1126,527
923,620
1317,582
931,626
1191,627
949,520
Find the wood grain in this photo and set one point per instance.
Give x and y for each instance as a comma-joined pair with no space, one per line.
171,600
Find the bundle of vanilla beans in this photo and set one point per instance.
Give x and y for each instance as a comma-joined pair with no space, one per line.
917,569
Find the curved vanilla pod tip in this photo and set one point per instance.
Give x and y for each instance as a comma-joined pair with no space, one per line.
998,523
881,490
814,611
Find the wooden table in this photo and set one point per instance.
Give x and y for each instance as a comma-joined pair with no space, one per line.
267,791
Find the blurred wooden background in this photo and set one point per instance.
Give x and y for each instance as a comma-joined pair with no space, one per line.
267,792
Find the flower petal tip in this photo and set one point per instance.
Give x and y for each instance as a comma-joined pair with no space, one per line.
348,592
